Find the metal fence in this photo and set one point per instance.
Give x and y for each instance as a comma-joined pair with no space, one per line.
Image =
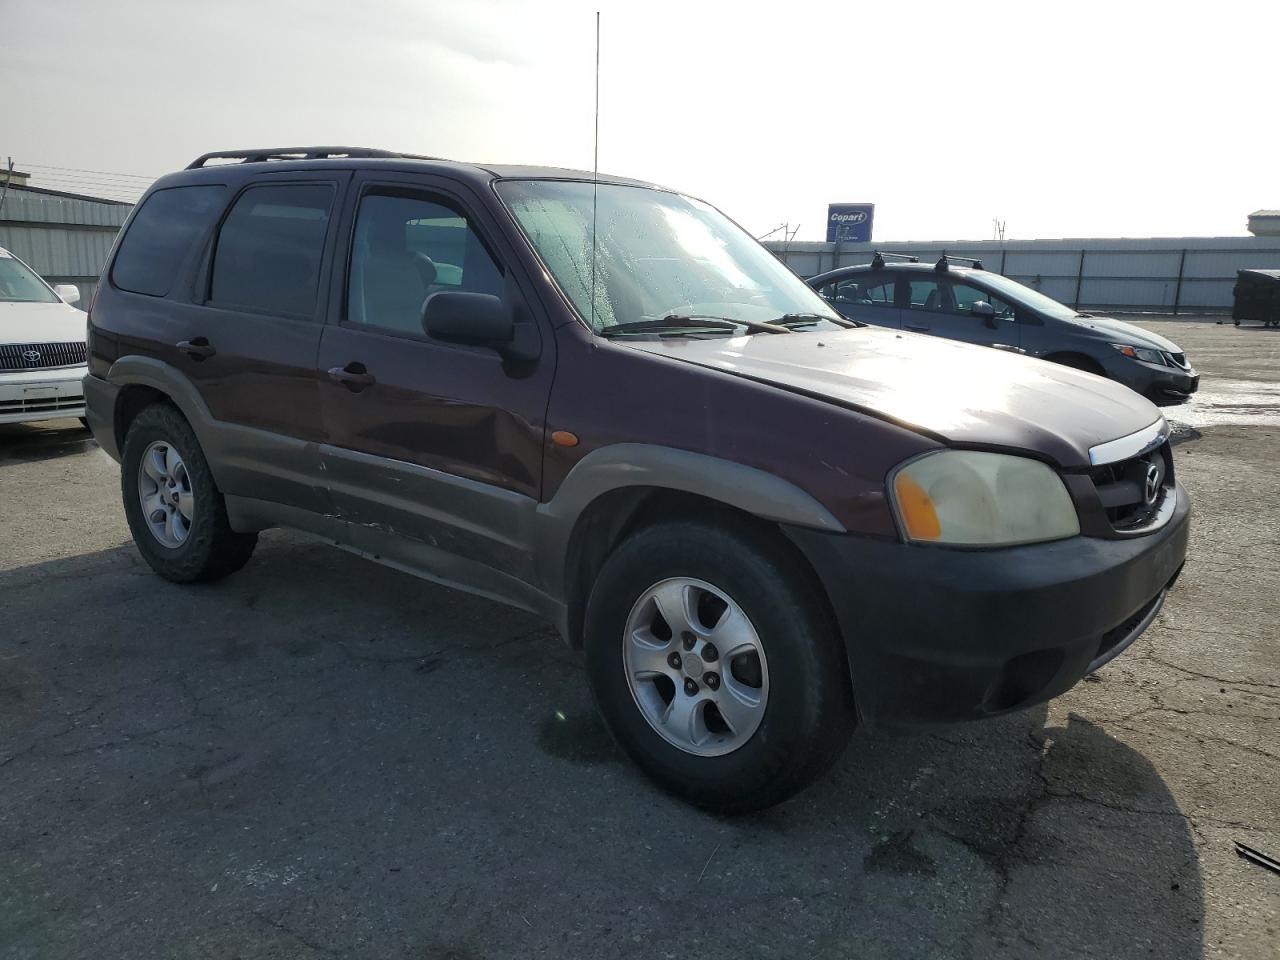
1167,275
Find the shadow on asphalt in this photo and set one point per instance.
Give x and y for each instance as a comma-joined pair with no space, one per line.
320,755
43,440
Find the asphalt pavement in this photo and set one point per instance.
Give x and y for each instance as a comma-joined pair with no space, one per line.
322,757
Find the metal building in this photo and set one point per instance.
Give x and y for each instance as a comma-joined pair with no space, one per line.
1191,274
65,237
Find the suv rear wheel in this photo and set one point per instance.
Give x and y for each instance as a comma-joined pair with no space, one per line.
176,513
716,665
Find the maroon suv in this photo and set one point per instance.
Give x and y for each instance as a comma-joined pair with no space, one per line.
603,402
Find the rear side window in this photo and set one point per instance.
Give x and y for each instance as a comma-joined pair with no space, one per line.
268,254
161,235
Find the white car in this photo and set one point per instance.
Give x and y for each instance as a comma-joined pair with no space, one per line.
42,346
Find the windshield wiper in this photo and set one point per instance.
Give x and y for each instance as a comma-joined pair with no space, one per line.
688,324
797,318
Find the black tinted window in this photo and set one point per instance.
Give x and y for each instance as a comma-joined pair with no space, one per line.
269,250
161,235
406,248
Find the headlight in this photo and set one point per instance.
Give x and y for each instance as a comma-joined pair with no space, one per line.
969,498
1138,353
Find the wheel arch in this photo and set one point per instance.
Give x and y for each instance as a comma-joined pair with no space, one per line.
1077,360
616,490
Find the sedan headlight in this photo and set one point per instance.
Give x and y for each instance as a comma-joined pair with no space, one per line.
976,499
1139,353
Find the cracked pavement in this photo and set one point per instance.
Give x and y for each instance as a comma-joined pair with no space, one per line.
320,757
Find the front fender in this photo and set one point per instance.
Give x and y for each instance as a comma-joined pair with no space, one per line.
625,465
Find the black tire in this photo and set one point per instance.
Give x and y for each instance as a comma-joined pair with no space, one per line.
809,712
211,550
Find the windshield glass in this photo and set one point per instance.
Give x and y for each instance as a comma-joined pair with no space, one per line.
1019,293
19,284
658,254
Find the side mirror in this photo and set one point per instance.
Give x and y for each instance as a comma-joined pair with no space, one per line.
460,317
69,293
986,311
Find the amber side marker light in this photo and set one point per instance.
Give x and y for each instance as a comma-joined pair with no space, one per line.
917,511
563,438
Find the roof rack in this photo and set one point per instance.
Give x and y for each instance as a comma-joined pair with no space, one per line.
297,153
942,263
877,262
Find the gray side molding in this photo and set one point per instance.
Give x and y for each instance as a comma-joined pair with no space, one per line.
649,465
149,372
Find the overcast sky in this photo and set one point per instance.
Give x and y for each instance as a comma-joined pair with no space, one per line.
1065,119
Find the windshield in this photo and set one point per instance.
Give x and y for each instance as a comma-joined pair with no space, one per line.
1022,294
19,283
658,254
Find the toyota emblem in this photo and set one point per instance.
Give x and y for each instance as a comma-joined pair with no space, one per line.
1153,484
31,356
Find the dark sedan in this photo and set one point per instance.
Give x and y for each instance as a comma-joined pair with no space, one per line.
968,303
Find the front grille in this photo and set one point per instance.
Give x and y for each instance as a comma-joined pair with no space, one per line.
40,356
1124,488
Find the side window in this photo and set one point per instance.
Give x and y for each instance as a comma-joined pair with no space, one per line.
966,296
161,236
268,254
925,295
865,290
406,247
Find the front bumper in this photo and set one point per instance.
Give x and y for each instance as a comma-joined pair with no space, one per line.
27,395
1161,385
938,635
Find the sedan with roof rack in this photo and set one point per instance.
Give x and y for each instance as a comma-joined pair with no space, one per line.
957,299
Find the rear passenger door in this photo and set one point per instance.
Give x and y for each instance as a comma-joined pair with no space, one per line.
249,340
438,442
867,297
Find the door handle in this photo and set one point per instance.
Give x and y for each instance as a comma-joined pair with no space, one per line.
353,376
198,349
917,327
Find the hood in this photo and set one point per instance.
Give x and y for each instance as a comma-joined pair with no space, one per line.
1117,331
956,392
41,323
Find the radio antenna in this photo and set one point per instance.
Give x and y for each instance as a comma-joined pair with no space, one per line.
595,175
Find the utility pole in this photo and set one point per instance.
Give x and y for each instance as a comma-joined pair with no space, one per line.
8,177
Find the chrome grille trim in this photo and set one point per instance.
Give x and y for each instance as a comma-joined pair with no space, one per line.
52,355
1133,445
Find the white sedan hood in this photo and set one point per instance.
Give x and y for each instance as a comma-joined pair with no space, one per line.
41,323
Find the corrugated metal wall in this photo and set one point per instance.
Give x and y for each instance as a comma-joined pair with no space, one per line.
65,239
1164,274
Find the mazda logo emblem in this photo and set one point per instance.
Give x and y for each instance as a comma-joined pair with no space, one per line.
31,356
1153,484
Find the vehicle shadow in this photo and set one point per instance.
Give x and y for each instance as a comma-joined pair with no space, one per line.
42,440
332,757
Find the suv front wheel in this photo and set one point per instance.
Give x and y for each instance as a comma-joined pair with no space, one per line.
716,665
175,511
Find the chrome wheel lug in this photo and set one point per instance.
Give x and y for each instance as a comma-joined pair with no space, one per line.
709,653
712,680
674,660
688,639
690,687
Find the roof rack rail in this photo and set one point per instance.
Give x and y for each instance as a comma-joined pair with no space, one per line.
294,153
942,263
877,262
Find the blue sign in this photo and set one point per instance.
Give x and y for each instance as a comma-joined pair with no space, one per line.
850,222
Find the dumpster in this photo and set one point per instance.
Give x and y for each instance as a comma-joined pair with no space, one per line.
1257,297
